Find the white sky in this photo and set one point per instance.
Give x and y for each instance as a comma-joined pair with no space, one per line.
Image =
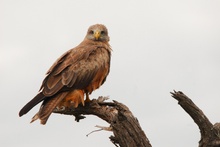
157,46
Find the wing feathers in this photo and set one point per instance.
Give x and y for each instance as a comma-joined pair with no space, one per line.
37,99
50,91
67,77
58,62
74,70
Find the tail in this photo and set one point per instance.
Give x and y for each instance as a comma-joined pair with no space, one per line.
37,99
47,107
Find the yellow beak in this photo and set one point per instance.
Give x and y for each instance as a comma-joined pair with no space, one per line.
97,35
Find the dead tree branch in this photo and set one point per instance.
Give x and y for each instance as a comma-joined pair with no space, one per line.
210,134
126,128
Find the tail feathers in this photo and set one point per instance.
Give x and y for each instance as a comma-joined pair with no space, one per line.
47,108
37,99
35,117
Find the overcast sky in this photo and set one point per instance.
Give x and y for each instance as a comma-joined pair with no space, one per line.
157,46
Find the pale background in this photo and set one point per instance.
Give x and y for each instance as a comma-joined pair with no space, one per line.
157,46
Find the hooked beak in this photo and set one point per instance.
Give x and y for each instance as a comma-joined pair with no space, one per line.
97,35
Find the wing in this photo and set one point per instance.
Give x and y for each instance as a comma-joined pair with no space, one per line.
37,99
75,69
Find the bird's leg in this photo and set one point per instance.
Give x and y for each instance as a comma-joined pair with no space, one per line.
87,97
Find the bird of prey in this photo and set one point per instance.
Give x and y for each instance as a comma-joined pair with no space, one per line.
76,73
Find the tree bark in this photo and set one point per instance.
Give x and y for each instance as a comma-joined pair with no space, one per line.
126,128
210,134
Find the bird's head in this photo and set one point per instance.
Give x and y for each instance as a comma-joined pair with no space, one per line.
97,32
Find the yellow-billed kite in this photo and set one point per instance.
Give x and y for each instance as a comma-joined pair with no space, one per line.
79,71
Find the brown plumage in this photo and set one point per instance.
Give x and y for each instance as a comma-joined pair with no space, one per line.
76,73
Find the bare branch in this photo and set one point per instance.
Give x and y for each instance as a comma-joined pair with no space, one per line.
209,134
126,129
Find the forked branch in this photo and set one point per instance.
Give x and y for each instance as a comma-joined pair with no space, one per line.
126,129
210,134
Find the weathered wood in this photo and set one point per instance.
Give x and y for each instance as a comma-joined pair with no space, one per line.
126,128
210,134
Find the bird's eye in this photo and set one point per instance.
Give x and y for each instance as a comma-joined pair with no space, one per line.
91,32
102,32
